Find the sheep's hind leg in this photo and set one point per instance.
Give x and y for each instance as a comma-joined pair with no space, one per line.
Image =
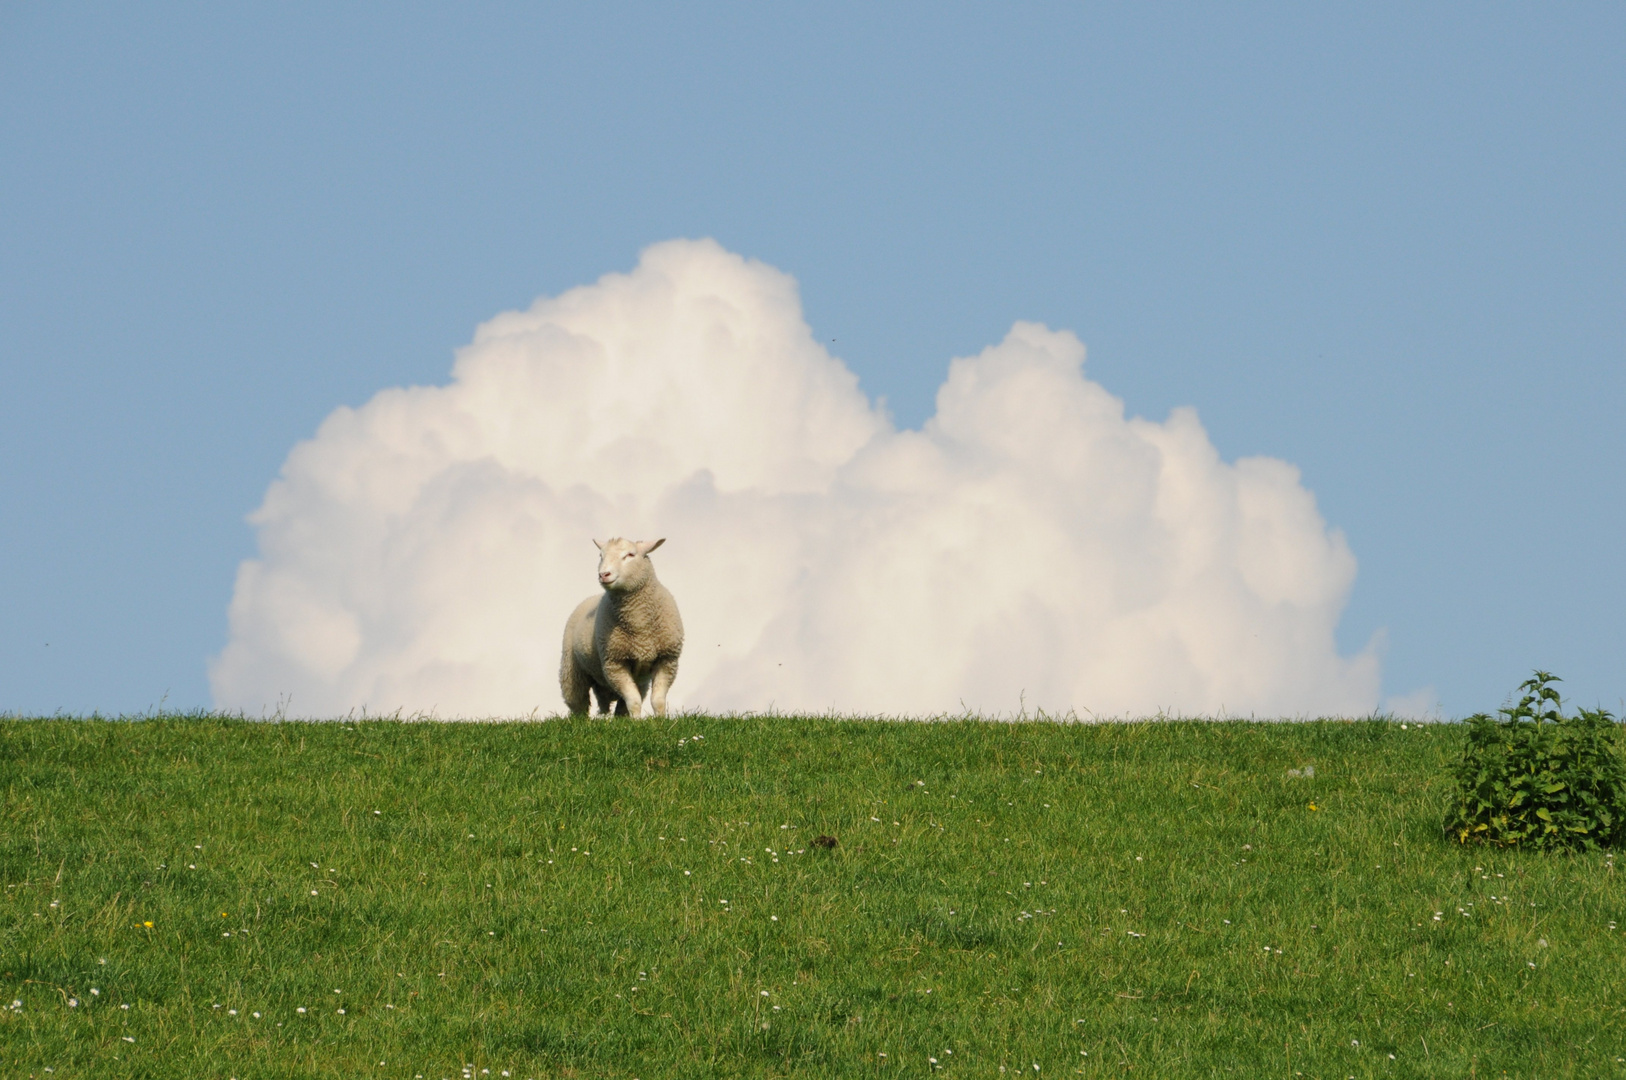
573,684
607,701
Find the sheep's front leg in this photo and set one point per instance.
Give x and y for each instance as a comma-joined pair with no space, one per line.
665,672
622,682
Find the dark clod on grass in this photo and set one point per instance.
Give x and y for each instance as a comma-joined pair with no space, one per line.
825,841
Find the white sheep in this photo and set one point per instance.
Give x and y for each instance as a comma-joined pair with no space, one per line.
625,643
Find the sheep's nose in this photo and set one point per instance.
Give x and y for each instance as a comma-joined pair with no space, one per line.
604,575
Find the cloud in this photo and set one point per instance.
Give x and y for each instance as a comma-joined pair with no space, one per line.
1420,704
1029,546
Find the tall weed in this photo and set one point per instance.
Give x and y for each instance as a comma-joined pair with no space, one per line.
1533,777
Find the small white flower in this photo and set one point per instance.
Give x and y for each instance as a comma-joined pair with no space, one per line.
95,992
231,1012
341,1012
73,1003
129,1038
300,1009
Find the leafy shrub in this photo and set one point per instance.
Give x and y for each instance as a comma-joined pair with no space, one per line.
1533,777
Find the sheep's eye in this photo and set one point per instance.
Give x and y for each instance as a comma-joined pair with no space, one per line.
629,555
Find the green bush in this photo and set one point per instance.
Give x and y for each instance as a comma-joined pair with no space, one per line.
1533,777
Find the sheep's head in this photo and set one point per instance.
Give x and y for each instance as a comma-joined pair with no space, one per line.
623,565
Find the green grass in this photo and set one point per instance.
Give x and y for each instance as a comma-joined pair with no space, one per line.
1153,899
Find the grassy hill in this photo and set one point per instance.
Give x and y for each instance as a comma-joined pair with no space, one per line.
204,897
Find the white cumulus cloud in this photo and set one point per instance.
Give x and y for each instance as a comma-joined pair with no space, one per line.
1029,545
1420,704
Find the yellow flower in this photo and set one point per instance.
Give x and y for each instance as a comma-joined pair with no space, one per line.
148,925
1313,806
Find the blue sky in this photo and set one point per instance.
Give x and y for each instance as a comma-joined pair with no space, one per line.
1385,243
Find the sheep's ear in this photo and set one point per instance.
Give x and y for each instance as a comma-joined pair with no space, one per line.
646,546
598,545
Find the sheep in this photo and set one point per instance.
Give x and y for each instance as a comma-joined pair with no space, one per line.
625,643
